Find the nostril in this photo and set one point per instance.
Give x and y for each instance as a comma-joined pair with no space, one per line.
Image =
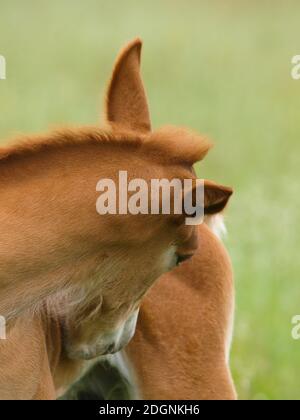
111,349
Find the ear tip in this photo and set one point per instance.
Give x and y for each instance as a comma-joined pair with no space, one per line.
131,49
137,41
227,193
230,191
135,44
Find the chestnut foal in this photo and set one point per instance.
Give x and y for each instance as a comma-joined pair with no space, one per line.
69,287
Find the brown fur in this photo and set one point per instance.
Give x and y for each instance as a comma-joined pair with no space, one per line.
53,239
182,342
168,145
180,349
58,253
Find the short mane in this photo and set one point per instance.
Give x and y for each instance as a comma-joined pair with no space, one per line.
169,144
179,144
25,145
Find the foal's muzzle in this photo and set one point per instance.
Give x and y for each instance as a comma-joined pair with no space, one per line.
108,343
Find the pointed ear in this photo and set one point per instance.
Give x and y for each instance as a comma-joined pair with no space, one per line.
126,103
216,197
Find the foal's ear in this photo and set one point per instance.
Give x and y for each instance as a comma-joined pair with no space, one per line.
206,198
126,103
216,197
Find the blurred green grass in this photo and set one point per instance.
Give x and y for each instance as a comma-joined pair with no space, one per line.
221,67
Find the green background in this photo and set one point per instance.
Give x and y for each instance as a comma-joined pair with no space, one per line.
221,67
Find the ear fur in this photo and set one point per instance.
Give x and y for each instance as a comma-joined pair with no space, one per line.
126,101
216,197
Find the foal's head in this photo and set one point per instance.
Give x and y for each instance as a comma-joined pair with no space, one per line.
141,247
96,266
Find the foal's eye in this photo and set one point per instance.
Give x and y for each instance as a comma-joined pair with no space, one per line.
182,258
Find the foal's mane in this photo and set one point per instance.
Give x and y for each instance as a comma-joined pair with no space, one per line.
170,144
63,138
